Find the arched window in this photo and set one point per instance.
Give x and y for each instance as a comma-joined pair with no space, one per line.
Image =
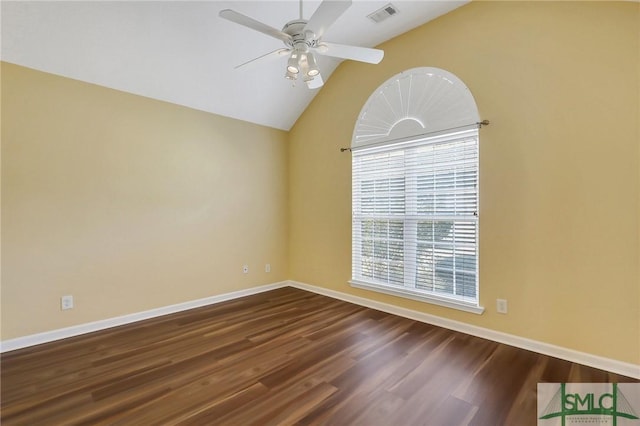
415,190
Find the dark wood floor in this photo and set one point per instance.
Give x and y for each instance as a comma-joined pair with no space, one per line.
282,357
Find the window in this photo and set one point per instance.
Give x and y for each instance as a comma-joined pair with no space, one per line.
415,217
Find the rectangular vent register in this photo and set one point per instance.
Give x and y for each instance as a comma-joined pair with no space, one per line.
383,13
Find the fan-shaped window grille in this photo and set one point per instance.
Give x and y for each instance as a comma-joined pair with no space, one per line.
415,190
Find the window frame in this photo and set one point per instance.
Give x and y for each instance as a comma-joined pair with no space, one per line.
410,219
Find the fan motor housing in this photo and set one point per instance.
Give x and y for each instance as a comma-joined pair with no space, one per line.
296,29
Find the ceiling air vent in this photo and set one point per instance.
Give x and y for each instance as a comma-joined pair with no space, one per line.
383,13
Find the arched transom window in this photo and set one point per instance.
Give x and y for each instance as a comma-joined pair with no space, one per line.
415,190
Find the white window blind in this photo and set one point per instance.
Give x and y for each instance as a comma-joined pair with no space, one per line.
415,220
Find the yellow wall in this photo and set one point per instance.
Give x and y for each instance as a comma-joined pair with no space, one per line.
559,165
129,203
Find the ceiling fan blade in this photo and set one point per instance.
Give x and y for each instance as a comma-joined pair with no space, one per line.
325,15
316,82
276,53
239,18
355,53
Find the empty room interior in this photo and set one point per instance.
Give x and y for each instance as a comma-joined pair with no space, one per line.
337,212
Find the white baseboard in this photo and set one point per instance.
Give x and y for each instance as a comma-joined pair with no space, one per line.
612,365
76,330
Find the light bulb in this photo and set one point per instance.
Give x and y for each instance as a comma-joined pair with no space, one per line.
312,65
292,65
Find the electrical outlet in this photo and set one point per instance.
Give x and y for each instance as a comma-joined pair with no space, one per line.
245,269
66,302
267,267
501,306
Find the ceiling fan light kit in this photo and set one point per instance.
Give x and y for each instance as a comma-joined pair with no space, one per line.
302,38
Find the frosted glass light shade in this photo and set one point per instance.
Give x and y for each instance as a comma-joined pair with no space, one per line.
292,65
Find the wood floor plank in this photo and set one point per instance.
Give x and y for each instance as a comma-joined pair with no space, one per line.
281,357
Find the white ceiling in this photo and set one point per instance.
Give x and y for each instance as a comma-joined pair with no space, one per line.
182,52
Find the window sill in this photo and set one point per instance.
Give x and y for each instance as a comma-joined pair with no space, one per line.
419,296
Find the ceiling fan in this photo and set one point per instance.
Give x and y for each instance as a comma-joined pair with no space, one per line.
303,39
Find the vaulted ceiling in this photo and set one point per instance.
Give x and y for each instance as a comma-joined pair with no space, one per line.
182,52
